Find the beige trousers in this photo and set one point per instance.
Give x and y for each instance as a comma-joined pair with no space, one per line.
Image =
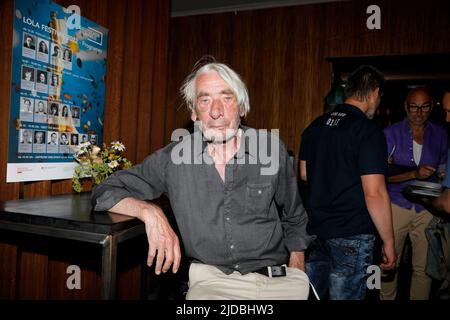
412,223
209,283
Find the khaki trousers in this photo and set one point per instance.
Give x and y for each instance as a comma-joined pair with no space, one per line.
209,283
412,223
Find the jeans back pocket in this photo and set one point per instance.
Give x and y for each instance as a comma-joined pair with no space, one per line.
351,254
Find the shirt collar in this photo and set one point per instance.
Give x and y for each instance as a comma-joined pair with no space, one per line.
407,128
351,108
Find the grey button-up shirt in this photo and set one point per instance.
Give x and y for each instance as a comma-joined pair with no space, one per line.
251,220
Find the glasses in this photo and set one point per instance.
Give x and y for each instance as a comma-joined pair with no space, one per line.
423,108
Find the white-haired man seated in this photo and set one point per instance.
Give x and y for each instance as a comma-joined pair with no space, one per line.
234,195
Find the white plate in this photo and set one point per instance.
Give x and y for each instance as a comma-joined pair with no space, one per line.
426,192
426,184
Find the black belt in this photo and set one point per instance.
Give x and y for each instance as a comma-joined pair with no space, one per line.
272,271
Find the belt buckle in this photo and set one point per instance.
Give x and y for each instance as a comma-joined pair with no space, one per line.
276,271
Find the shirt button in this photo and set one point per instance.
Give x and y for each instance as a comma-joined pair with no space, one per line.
259,191
227,218
232,247
236,266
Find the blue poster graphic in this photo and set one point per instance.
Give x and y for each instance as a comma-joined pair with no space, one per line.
57,92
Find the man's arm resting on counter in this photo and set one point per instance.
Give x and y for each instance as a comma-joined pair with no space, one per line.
379,207
162,240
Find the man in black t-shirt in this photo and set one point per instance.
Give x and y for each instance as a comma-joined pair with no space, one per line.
343,161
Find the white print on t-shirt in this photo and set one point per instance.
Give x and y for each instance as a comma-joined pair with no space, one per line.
335,118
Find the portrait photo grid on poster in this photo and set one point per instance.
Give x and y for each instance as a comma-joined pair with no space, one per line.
42,108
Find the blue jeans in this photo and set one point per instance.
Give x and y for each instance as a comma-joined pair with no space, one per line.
337,267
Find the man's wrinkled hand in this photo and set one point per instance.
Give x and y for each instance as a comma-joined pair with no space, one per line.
162,240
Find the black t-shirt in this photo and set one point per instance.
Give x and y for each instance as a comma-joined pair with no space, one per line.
339,147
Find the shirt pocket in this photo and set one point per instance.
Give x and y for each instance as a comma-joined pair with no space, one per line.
258,199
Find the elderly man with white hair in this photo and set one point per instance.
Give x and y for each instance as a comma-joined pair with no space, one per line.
241,219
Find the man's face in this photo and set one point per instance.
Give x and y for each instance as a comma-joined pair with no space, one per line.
63,139
28,75
27,104
28,40
216,108
42,78
418,107
446,106
53,137
93,140
39,137
41,106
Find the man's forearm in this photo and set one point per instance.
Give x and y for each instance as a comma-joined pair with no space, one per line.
379,208
406,176
133,207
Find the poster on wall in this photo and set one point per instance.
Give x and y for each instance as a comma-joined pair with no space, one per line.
57,92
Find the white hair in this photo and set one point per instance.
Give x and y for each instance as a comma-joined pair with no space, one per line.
228,75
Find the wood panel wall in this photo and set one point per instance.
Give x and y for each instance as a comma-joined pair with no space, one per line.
134,114
280,53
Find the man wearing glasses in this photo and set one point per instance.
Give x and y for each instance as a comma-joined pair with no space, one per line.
419,148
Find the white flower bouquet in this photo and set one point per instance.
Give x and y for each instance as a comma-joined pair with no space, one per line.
97,163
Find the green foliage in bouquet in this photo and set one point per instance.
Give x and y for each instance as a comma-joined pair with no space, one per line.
98,163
